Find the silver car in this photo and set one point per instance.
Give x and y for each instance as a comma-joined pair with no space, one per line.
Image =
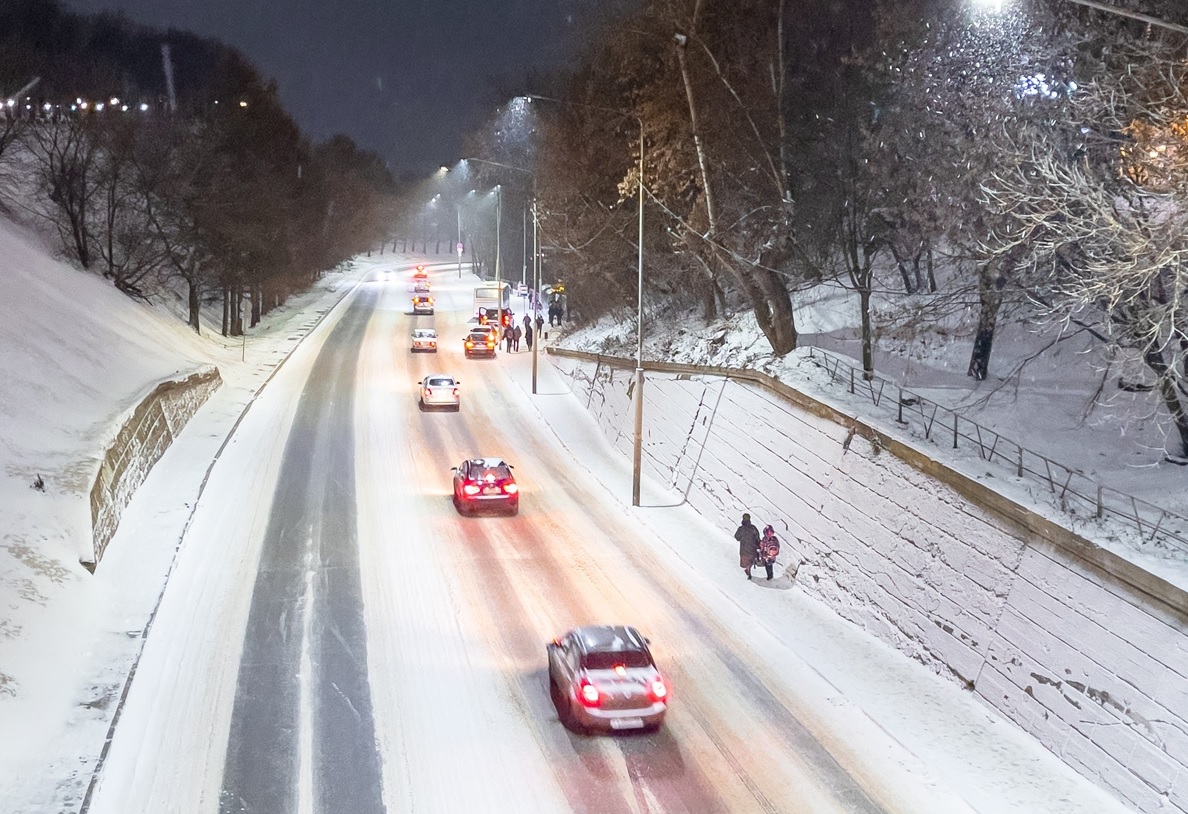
439,390
424,339
603,678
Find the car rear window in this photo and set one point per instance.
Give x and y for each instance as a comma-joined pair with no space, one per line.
440,382
496,472
607,659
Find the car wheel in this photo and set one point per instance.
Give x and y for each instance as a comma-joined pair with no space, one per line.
421,405
571,720
457,408
651,729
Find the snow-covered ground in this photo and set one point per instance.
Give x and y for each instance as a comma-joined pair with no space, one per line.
69,638
76,356
1054,393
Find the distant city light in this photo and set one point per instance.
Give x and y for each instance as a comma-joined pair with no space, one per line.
143,107
115,101
243,104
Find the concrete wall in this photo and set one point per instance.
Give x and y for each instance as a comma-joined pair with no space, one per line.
138,445
1080,648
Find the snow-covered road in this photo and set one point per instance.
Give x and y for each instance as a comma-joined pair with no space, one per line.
336,638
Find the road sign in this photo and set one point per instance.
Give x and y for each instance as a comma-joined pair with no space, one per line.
459,248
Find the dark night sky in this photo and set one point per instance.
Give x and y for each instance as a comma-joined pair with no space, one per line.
405,78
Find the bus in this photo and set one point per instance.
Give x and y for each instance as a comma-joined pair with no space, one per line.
487,301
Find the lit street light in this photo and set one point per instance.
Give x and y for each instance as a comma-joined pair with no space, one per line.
637,448
1121,12
535,259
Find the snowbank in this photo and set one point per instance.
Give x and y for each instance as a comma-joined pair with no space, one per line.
1079,647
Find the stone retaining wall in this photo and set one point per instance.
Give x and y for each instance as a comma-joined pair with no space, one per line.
1080,648
138,445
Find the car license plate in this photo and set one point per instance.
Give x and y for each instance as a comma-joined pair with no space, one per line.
491,490
626,723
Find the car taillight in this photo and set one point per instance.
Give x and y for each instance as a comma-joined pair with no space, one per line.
455,391
588,694
510,488
432,344
469,344
428,391
658,690
471,488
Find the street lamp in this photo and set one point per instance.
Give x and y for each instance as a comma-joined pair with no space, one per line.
535,259
1121,12
637,447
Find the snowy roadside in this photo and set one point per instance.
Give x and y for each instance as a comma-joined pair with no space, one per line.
849,677
69,639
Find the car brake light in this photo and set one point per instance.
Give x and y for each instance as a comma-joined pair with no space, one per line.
428,391
471,488
620,669
510,488
469,344
588,694
658,690
455,391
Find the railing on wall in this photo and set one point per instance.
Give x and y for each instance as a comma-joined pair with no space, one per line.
1071,492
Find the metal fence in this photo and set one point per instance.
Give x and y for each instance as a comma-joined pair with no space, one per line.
1072,491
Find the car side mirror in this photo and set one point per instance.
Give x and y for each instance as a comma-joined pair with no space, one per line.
647,640
555,643
453,469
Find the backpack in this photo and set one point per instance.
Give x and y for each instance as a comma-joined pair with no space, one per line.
769,548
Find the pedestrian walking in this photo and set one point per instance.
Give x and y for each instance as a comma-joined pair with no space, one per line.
508,338
769,549
748,544
528,335
527,321
516,334
539,323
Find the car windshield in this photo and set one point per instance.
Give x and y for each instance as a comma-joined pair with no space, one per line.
479,337
607,659
440,382
424,334
493,472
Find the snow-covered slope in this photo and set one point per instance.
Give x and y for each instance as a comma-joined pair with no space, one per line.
76,357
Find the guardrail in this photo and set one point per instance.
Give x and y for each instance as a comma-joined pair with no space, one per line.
1072,492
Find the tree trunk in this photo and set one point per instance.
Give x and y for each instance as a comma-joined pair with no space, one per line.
195,303
991,281
867,331
257,295
1171,396
226,311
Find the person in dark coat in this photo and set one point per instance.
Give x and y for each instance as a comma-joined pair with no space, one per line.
769,549
748,544
528,334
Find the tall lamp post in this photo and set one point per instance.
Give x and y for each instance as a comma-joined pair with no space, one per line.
535,255
1121,12
458,247
637,447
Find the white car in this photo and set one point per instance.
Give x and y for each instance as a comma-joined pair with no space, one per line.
439,390
424,339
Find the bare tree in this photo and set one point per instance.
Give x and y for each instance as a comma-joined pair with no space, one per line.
65,155
1101,208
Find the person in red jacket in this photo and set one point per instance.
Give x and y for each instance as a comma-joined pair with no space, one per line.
769,549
